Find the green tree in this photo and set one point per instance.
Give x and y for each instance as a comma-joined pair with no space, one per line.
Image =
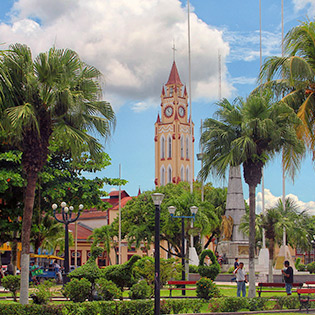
56,95
103,235
248,132
293,77
138,214
297,224
44,227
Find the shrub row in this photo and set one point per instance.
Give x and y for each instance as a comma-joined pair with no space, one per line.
136,307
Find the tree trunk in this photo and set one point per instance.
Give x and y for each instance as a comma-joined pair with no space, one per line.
14,244
252,236
26,232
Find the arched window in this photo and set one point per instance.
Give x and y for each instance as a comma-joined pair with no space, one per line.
169,147
162,176
162,147
187,147
182,173
171,91
187,174
181,147
169,174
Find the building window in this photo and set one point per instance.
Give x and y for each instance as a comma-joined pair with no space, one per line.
187,174
182,173
169,175
171,91
131,249
162,147
181,147
169,147
187,147
162,176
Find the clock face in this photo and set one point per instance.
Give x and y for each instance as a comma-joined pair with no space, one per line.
181,111
169,111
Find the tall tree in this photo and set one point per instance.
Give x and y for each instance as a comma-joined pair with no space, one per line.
102,235
293,77
54,96
248,132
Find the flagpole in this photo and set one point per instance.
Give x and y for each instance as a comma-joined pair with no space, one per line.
190,112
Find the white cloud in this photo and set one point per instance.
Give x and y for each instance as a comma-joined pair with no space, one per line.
301,4
129,41
243,80
245,46
271,201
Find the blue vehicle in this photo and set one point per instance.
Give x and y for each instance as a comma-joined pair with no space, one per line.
45,262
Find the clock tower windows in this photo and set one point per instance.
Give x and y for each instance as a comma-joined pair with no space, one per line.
169,147
162,175
162,147
187,147
182,147
169,174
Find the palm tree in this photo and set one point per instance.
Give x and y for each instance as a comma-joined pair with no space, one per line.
44,227
295,222
102,235
248,132
54,96
293,77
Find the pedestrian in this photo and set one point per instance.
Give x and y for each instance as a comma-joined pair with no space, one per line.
34,270
288,277
235,266
241,279
58,271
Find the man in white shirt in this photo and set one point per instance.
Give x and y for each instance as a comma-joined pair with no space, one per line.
241,279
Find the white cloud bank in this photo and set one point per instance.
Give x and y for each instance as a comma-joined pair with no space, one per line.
309,4
129,41
271,201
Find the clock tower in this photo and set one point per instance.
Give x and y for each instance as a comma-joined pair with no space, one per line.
174,145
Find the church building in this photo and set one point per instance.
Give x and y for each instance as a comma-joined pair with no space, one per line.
174,130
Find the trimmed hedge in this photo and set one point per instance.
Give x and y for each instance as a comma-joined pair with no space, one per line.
136,307
211,271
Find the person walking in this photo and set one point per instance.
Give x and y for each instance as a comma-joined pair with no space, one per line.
288,277
236,263
241,280
57,269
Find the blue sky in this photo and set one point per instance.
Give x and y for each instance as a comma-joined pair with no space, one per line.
130,41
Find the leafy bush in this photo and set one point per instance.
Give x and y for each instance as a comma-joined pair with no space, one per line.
257,303
311,267
42,293
211,271
90,270
231,269
228,304
289,302
107,290
193,269
206,289
140,290
135,307
144,268
298,265
11,283
77,290
121,275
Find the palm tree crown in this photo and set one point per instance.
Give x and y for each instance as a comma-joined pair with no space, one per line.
293,77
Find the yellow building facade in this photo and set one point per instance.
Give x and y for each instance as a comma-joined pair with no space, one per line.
174,140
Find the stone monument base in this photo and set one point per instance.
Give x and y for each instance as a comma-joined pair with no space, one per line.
234,249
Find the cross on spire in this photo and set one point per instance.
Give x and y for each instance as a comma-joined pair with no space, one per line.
174,50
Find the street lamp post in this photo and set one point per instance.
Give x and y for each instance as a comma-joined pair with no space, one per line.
193,210
66,213
157,200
